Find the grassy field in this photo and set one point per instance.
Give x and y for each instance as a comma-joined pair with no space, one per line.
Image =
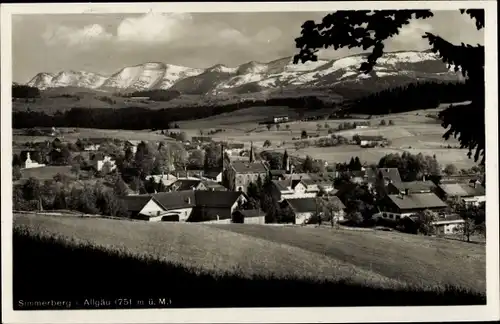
412,132
45,173
208,266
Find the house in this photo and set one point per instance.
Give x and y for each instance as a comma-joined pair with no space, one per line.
280,119
395,188
99,159
196,184
388,174
215,175
91,147
449,224
163,206
166,179
216,206
249,216
471,193
370,140
28,163
305,208
394,207
277,174
245,172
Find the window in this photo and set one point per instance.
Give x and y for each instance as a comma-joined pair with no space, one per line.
398,217
384,215
391,216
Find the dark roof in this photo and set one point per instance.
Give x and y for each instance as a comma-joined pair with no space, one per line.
135,203
414,186
247,167
222,199
417,201
185,184
277,172
175,199
389,173
248,213
212,173
282,184
462,189
188,173
213,185
335,201
302,205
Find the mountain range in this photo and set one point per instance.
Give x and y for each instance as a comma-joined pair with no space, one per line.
392,68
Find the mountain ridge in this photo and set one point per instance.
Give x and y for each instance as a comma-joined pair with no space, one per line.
256,76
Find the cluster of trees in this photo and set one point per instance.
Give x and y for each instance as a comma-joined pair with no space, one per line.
58,195
413,167
261,196
353,125
333,140
24,91
414,96
134,118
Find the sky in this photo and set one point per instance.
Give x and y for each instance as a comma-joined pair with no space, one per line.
106,43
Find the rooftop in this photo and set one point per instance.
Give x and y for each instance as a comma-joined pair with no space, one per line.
247,167
417,201
462,189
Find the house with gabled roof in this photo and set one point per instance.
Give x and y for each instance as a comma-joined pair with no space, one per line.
410,187
185,206
249,216
470,193
305,208
395,207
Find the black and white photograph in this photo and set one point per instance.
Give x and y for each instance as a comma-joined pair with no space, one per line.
211,162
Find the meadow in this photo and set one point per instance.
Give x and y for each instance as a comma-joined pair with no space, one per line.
198,265
412,132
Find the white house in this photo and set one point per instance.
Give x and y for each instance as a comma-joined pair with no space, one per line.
448,226
30,164
99,163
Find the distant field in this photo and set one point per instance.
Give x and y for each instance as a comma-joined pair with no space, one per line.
273,266
45,173
139,135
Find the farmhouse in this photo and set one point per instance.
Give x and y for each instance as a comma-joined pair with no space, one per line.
370,140
280,119
216,206
163,206
395,188
249,216
185,206
448,225
470,193
304,208
395,207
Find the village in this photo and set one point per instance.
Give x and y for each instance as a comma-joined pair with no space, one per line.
198,179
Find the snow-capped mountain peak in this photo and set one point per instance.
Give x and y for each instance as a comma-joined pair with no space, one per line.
254,76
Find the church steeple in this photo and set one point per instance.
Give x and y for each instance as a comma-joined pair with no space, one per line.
251,159
286,162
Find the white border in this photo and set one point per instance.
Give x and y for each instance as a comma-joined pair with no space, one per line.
276,315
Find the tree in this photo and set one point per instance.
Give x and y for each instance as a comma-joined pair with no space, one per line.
450,169
391,122
382,122
368,29
196,159
182,137
16,173
303,135
212,157
327,126
287,127
307,165
120,188
268,126
31,189
355,218
278,127
318,127
16,160
75,168
144,158
284,165
425,220
267,143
